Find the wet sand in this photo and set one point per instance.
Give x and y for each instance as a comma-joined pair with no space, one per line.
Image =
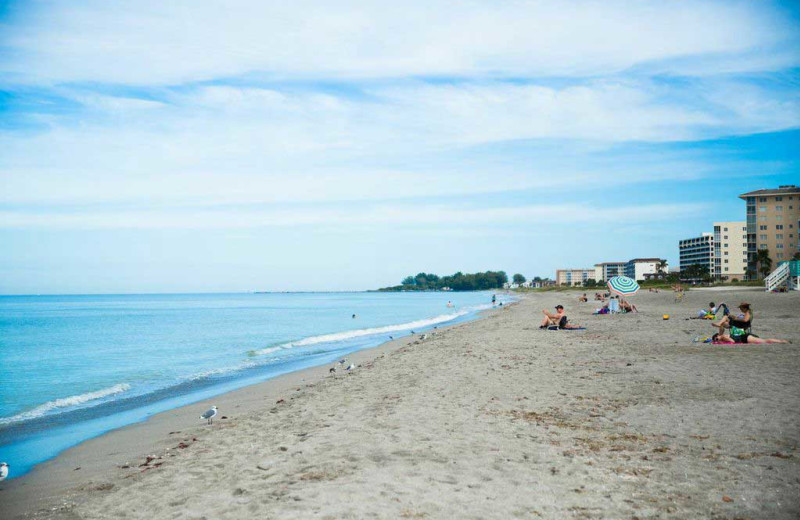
493,418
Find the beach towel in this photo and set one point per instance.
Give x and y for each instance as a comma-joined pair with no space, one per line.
573,328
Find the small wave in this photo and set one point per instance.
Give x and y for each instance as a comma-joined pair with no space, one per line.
351,334
217,371
66,402
265,351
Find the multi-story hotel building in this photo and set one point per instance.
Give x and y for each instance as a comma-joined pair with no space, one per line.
573,276
639,267
773,222
607,270
730,250
697,251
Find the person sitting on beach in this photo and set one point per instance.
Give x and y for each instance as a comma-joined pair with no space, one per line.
721,337
583,298
739,324
557,320
627,306
551,319
706,314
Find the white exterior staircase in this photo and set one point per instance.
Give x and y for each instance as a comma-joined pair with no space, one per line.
786,275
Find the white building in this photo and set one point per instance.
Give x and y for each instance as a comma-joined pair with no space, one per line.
608,270
730,250
638,267
697,251
574,277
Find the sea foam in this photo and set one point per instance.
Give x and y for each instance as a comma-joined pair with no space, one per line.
66,402
358,333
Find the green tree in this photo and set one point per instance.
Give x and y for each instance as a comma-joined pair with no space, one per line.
519,279
662,266
764,262
796,256
409,280
696,272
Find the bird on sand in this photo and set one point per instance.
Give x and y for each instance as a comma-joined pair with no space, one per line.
350,367
210,414
343,361
332,370
3,471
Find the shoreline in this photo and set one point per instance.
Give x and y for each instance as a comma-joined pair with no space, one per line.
41,487
493,418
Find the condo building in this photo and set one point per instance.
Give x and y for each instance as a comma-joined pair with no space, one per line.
573,276
773,222
639,267
608,270
730,250
697,251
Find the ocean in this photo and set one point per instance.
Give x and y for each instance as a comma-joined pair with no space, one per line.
74,367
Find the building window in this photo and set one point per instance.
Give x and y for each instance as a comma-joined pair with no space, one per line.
779,246
778,208
762,209
761,228
778,218
762,246
762,218
780,255
779,226
778,198
762,199
763,238
778,236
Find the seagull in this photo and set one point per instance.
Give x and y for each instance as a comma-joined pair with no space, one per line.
350,367
391,337
3,471
209,414
332,370
343,361
423,337
412,332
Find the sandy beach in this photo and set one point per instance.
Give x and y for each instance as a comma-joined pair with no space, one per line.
489,419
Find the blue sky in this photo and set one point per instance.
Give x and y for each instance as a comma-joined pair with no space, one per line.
210,146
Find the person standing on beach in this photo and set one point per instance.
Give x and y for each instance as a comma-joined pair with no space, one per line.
494,299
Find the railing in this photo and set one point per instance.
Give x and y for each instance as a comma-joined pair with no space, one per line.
777,277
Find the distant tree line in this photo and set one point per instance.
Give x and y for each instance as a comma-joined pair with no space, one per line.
457,282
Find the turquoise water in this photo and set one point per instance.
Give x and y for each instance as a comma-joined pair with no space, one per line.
73,367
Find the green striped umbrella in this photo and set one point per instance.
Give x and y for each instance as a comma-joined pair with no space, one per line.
623,285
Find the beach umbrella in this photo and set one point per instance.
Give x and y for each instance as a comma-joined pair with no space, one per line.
623,285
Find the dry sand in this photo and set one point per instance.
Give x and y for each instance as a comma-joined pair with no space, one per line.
490,419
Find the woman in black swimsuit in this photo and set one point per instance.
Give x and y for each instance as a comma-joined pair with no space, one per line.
744,322
744,338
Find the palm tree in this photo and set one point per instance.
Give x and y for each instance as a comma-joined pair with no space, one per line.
662,266
764,262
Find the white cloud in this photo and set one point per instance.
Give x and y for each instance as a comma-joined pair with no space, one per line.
157,43
241,145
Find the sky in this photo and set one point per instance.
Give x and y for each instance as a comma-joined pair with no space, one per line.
193,146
